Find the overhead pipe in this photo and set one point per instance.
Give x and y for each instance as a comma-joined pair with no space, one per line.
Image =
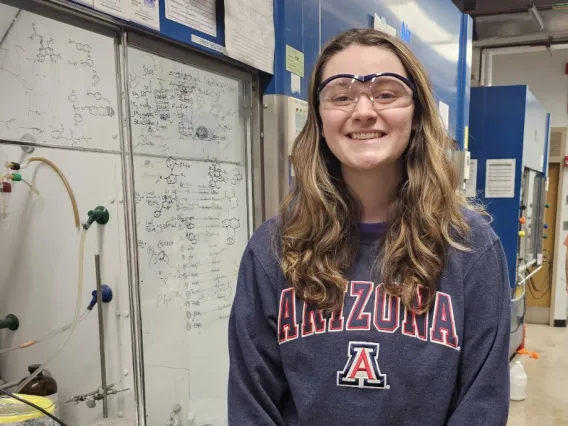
536,15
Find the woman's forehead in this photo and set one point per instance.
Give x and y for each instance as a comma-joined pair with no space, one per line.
363,60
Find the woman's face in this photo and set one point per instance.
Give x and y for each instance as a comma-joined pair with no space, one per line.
366,137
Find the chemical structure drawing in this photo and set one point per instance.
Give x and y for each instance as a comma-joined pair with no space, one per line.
237,177
172,178
231,225
100,111
47,48
80,46
167,203
72,139
89,63
157,257
98,96
41,69
187,222
96,78
192,238
233,199
217,176
72,97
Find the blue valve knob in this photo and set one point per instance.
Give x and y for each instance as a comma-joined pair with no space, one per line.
545,226
106,296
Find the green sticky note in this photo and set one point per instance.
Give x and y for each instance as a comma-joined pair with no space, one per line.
294,61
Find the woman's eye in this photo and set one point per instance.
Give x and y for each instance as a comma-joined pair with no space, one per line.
342,98
385,96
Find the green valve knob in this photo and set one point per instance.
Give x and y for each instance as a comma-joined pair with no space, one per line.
99,215
16,177
11,322
547,205
545,237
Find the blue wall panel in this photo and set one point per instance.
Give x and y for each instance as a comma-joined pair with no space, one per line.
497,126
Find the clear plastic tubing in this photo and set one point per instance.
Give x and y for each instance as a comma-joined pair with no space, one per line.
75,317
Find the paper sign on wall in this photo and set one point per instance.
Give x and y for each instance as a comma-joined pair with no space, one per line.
197,14
471,182
249,32
500,178
294,61
118,8
295,83
146,12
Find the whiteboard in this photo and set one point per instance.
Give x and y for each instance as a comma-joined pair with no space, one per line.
183,111
192,227
193,223
58,83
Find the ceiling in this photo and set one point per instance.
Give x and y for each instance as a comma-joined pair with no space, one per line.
493,7
510,22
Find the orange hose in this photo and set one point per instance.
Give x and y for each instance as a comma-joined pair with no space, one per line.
65,182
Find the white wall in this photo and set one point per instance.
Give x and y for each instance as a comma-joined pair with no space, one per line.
545,75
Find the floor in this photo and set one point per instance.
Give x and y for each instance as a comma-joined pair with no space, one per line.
547,391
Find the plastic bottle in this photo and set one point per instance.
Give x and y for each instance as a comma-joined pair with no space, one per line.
518,382
42,385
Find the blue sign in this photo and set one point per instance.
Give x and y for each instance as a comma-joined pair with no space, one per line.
405,33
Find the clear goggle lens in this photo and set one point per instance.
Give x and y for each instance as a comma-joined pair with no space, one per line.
384,92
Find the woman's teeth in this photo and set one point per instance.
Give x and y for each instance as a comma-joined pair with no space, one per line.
362,136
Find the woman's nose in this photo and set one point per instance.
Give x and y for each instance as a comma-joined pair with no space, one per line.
364,110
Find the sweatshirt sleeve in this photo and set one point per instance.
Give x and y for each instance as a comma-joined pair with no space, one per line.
483,377
256,379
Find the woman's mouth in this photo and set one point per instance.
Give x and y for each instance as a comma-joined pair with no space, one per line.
361,136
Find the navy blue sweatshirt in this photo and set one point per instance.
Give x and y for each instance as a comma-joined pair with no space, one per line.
375,363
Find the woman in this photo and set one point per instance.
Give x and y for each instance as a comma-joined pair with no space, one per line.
385,300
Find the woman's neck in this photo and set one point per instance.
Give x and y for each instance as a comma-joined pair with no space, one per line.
376,190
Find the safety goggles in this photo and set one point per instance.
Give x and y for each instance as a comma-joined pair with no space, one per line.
385,91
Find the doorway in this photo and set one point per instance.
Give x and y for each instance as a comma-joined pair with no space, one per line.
541,286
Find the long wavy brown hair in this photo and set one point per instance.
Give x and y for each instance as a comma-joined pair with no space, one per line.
320,215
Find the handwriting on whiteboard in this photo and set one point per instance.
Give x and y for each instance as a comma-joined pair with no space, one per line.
183,111
62,83
192,227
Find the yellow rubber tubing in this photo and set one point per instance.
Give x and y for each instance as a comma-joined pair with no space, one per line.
65,182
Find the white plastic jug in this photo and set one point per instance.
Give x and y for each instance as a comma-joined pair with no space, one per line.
518,382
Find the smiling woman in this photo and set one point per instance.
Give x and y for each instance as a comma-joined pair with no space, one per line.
380,156
374,248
